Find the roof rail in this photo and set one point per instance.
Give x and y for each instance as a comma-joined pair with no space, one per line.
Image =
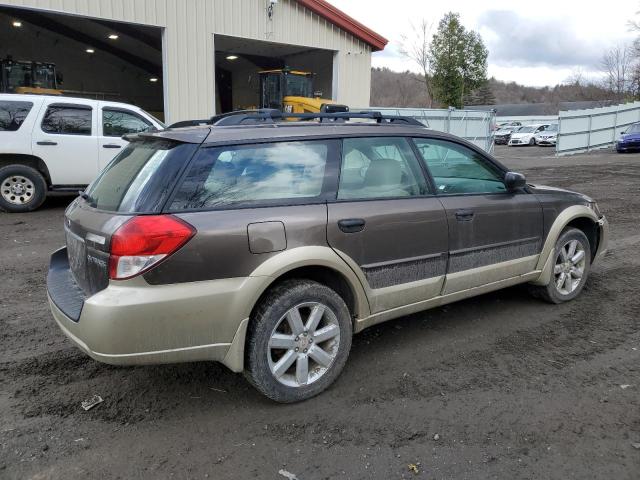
270,116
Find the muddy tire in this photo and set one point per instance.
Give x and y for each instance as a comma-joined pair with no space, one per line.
571,266
22,189
298,340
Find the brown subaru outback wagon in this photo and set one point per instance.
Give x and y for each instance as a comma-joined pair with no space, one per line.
265,244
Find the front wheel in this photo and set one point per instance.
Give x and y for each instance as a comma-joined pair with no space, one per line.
22,189
298,340
532,142
572,262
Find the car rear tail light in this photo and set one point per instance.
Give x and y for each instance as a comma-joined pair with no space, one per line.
143,241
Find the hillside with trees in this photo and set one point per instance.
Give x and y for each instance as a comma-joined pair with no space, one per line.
406,89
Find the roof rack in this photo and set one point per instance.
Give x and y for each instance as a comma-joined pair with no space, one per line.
272,116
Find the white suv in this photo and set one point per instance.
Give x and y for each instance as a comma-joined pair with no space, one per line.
51,143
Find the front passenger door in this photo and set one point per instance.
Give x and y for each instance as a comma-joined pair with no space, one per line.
494,234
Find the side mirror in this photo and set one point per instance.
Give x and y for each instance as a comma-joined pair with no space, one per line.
622,133
514,181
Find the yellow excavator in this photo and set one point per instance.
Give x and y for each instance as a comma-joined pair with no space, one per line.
23,76
291,91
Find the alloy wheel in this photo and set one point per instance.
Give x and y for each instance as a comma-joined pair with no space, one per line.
304,344
17,190
569,267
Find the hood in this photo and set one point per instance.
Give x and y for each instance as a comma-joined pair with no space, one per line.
547,134
544,189
503,132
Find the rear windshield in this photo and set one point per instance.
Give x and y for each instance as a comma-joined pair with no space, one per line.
12,114
140,177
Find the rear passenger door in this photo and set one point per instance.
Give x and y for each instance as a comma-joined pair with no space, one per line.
65,139
387,222
493,234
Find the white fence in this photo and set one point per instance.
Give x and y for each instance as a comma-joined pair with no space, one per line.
584,130
472,125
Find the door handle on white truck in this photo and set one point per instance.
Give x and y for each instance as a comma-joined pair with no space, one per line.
111,145
47,143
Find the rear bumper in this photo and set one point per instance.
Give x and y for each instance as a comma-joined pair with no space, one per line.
133,323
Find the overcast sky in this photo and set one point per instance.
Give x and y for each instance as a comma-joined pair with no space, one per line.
532,43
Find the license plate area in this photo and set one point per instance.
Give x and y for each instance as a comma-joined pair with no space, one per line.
77,254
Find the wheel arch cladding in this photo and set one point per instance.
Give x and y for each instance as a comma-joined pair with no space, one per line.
590,228
28,161
574,216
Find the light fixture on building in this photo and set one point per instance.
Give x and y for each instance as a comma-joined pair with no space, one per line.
153,79
113,36
232,57
17,23
90,50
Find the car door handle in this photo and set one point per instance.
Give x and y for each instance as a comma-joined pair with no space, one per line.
351,225
464,215
47,143
111,145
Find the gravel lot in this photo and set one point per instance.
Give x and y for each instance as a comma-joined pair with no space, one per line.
500,386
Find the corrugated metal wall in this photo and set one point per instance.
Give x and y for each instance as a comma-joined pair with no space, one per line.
584,130
189,49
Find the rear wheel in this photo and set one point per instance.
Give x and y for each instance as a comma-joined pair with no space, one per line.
298,341
22,189
572,262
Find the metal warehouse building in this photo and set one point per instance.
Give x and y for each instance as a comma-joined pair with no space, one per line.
190,58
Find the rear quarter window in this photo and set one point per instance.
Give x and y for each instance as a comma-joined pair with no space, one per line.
13,115
267,174
140,178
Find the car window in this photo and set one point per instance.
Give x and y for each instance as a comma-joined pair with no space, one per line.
379,167
140,177
67,119
458,169
116,123
266,173
13,114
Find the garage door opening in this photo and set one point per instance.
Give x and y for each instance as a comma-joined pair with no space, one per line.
239,62
92,58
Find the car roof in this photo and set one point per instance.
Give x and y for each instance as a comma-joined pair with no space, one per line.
208,134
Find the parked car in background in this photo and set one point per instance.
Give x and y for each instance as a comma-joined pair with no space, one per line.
509,124
629,139
267,248
549,136
57,144
526,135
502,136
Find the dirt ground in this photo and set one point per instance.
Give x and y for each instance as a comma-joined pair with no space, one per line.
499,386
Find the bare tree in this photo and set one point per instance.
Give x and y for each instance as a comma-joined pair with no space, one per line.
617,65
415,46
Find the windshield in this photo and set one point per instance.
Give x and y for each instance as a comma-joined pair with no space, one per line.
635,128
298,85
140,177
527,130
552,128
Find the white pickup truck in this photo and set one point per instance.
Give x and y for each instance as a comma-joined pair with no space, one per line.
56,144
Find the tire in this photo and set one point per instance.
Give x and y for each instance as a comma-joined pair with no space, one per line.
554,293
272,323
532,142
22,189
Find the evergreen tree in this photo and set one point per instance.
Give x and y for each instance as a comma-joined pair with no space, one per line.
458,61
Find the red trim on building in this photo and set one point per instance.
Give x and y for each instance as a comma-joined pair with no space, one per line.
345,22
